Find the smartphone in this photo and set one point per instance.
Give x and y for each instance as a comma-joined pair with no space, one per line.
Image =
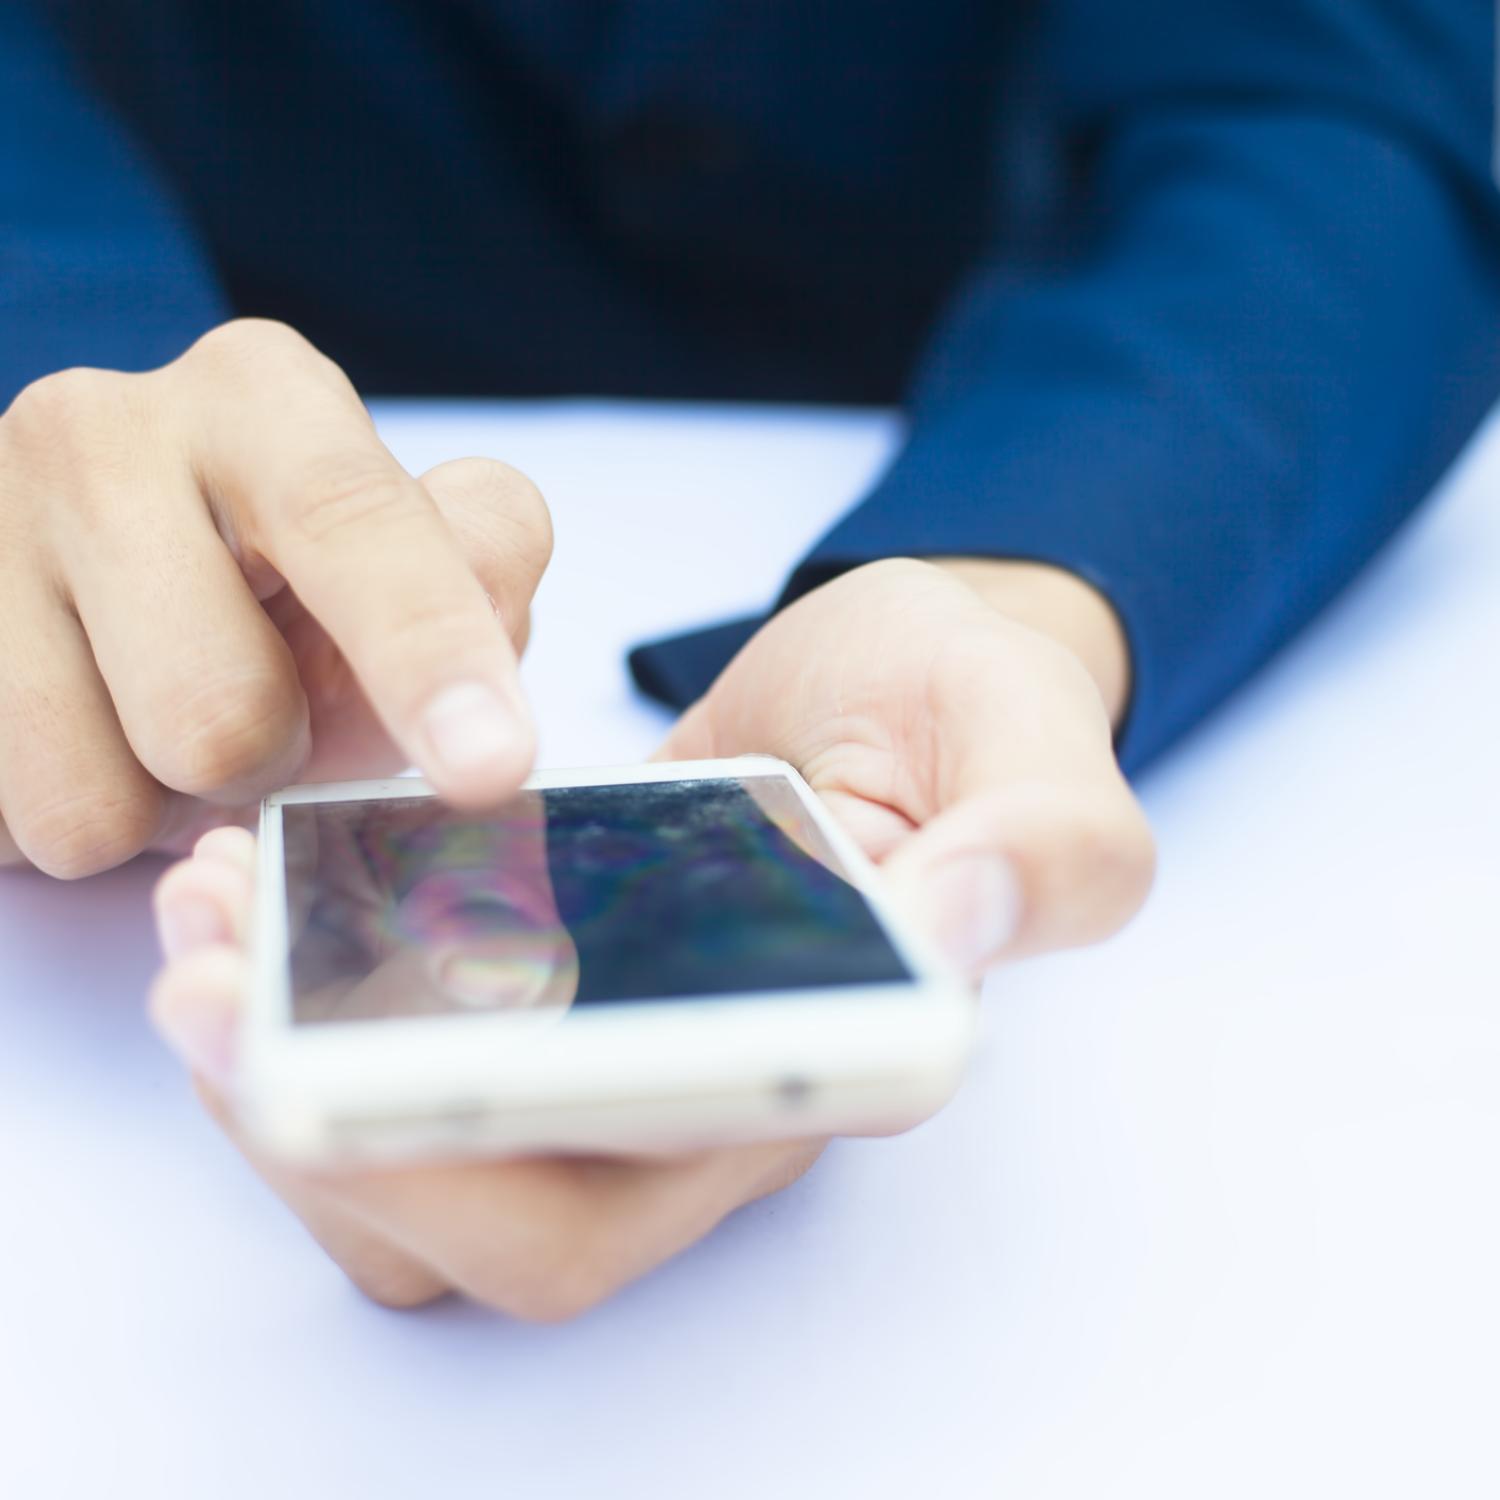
625,960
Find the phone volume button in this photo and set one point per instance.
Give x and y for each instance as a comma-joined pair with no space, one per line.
793,1091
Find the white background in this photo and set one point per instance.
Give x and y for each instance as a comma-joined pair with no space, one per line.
1216,1214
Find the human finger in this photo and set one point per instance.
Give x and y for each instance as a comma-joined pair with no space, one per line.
540,1239
1037,842
546,1239
194,1003
204,900
369,554
501,524
380,1269
205,688
73,796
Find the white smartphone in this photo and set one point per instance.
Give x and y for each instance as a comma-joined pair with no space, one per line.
619,960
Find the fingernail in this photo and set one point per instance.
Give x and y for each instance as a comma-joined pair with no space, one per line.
977,902
188,923
468,727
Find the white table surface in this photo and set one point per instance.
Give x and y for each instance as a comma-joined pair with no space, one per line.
1216,1214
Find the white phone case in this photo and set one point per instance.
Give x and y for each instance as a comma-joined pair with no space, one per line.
617,1078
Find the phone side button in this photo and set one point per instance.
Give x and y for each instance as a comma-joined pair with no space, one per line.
793,1091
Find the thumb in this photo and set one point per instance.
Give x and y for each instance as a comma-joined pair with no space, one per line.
1016,867
195,1006
202,908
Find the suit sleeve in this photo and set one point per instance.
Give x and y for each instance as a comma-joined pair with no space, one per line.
1278,323
98,266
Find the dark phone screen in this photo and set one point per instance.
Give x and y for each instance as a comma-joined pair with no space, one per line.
571,897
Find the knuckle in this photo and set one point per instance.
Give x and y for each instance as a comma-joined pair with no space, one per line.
248,339
895,583
59,400
558,1297
390,1284
77,438
245,350
230,731
82,833
562,1275
346,494
899,571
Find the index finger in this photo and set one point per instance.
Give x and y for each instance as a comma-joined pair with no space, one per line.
363,546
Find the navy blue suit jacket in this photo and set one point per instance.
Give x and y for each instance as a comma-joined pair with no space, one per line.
1196,299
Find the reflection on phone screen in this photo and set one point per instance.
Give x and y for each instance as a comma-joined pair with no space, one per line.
570,897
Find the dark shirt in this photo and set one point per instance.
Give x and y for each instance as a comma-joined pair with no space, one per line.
1196,299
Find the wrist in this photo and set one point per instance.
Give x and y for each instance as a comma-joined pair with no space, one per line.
1058,604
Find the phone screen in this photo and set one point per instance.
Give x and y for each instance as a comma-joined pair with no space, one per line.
570,897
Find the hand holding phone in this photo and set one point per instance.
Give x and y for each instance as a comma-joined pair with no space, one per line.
316,612
952,738
546,1236
641,959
